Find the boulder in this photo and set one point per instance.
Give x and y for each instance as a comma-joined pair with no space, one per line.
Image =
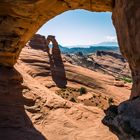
124,120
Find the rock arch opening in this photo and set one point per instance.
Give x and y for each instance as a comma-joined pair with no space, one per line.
19,20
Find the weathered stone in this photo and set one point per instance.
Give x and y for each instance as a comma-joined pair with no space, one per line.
19,20
125,17
124,119
38,42
55,48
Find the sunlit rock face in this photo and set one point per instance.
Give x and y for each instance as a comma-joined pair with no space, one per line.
20,19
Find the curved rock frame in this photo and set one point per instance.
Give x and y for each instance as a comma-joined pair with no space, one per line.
19,20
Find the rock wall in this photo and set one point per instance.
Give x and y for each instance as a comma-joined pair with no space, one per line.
126,15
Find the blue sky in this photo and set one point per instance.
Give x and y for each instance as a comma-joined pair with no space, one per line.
80,27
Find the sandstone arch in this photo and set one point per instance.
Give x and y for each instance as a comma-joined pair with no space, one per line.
52,39
19,20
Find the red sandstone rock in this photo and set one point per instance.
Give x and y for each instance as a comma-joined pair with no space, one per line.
38,42
125,18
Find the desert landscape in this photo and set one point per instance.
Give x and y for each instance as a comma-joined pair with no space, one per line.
49,91
68,101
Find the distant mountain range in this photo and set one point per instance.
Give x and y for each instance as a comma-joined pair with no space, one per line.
98,44
105,46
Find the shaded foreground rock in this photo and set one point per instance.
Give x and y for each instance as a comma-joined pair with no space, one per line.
124,120
15,124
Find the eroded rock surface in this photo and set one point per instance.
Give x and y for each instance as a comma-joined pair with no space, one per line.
19,20
29,110
124,119
110,63
126,15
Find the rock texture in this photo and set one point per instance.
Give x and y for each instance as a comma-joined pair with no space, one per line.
29,110
56,117
38,42
124,119
14,121
110,63
19,20
126,15
53,75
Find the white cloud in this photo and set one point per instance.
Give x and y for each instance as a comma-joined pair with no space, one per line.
111,38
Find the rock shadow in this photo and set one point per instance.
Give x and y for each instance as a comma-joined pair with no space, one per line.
123,120
14,122
110,113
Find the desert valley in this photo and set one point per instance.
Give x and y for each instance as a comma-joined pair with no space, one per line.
67,100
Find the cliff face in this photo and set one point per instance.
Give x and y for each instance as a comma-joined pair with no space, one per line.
124,119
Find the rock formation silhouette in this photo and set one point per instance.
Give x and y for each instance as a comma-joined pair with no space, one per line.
56,62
